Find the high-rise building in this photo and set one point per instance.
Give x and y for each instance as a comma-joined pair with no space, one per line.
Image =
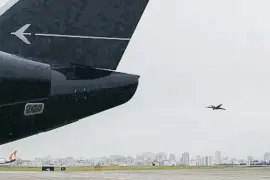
161,156
266,157
210,161
192,162
226,160
218,158
204,161
172,157
249,160
185,158
198,161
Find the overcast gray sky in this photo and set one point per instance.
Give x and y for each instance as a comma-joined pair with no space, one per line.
189,53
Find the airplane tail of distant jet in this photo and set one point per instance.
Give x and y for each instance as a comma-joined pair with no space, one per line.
94,33
10,159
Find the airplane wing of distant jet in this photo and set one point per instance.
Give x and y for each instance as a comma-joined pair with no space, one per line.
10,159
58,61
216,107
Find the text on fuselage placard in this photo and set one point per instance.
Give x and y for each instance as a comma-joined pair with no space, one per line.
33,109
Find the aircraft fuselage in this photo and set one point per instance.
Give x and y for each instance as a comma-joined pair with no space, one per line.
35,97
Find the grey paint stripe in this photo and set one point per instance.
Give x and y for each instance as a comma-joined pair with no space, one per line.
83,37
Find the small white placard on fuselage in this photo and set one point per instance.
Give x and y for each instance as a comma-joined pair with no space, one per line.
33,109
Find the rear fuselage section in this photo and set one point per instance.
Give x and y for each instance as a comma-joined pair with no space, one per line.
35,97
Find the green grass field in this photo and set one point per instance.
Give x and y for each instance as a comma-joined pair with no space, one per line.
110,168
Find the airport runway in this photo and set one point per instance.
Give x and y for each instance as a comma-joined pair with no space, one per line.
224,174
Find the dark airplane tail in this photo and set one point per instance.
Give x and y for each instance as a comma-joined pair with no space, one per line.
94,33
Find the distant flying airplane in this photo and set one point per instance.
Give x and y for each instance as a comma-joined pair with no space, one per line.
10,159
216,107
59,59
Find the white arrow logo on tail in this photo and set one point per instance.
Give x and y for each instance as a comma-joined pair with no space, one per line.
20,33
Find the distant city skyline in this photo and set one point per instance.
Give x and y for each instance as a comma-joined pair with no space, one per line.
148,159
184,157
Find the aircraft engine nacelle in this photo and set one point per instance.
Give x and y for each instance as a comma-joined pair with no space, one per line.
23,80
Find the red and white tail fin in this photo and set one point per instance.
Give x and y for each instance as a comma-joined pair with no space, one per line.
12,156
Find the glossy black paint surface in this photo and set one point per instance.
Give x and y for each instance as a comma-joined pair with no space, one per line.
74,93
60,110
22,80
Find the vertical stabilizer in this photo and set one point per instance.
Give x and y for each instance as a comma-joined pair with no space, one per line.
86,32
